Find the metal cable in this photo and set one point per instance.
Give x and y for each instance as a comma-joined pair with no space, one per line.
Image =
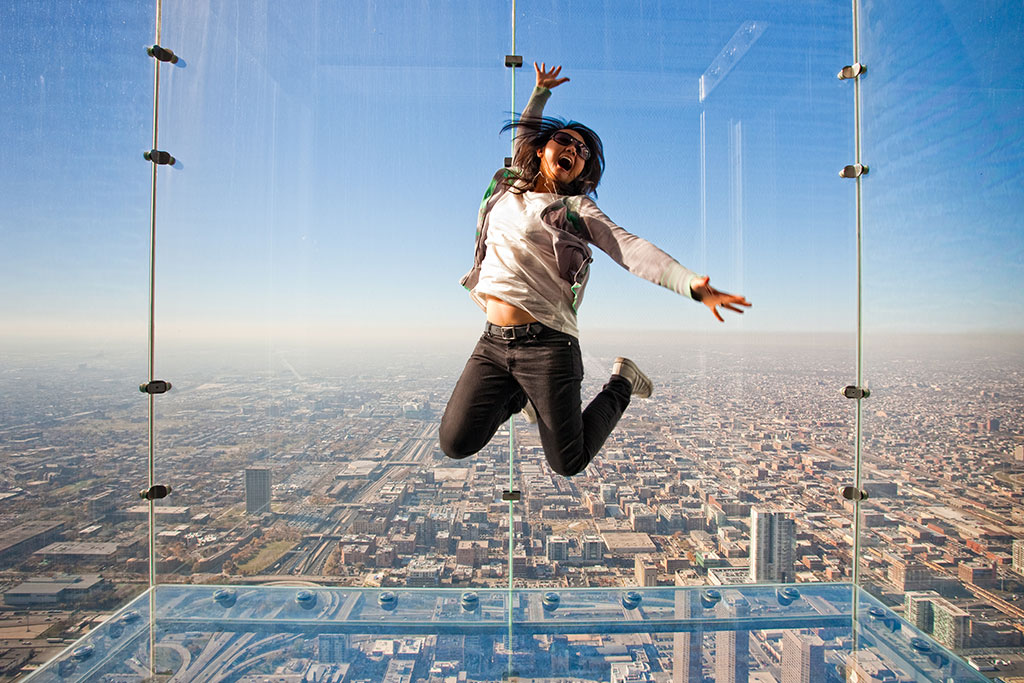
152,337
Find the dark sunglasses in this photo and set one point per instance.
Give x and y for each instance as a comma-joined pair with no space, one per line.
564,139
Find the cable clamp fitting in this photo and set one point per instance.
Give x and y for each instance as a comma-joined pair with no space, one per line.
854,493
511,495
513,61
158,157
157,386
155,492
851,71
853,171
856,392
162,54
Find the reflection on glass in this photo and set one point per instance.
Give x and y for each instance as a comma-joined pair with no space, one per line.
298,366
331,161
722,140
942,310
685,634
76,109
320,188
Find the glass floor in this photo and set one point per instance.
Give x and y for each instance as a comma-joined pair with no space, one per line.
317,634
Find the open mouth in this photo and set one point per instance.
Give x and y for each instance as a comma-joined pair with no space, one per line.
566,163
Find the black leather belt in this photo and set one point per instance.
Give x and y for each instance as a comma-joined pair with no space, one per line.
514,331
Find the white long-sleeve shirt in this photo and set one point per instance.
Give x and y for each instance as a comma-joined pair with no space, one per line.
533,249
540,266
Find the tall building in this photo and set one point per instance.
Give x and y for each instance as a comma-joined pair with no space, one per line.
558,548
645,570
332,648
952,627
610,494
424,573
1018,555
909,575
919,609
772,546
560,655
978,573
257,490
471,553
687,646
642,518
593,548
732,648
803,658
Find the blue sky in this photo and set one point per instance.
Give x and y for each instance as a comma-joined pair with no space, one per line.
333,156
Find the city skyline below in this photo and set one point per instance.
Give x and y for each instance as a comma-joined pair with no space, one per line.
360,493
312,404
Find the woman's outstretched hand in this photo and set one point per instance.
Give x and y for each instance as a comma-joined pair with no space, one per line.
712,298
548,79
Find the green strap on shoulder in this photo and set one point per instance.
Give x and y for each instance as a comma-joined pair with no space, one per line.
489,193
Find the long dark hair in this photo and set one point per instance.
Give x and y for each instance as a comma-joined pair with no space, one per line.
533,133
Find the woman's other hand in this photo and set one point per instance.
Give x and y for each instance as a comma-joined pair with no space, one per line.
548,79
712,298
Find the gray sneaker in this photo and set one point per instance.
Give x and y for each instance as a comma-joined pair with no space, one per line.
641,383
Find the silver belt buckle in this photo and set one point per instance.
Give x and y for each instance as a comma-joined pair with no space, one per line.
508,332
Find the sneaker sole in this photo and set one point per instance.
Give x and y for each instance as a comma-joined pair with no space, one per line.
643,387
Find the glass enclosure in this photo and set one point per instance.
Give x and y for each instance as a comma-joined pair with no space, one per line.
720,130
942,243
305,434
742,633
303,300
76,111
276,206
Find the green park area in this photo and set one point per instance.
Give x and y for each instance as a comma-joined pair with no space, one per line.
268,555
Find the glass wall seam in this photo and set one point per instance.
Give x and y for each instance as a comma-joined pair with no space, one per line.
151,352
858,420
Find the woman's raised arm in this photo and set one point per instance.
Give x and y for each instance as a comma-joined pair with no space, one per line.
546,80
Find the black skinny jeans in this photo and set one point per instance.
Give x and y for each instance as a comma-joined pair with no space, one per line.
545,366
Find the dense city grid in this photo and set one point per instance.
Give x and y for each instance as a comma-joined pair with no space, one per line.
362,495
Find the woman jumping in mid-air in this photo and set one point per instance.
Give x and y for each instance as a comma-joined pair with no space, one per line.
530,268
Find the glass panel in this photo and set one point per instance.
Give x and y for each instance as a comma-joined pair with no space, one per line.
745,633
74,216
943,238
724,128
884,638
332,157
117,650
